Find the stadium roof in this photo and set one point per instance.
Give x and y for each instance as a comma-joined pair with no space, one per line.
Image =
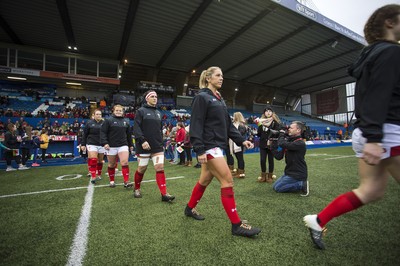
276,43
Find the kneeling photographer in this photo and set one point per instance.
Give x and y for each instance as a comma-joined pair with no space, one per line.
291,145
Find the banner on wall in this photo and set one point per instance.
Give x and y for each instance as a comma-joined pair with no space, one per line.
330,101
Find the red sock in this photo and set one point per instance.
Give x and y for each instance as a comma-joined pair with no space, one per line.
138,179
228,201
340,205
111,174
92,162
160,178
125,173
197,193
99,168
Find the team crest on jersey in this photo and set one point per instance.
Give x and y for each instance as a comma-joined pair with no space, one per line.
158,115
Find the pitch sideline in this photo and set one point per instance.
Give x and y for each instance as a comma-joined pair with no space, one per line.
75,188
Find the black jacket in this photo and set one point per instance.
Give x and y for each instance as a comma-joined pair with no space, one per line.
377,92
210,123
295,151
116,132
10,140
91,133
148,127
265,133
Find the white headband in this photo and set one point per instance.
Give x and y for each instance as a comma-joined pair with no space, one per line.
153,93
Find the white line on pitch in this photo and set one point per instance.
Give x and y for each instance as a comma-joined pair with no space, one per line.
324,154
79,244
74,188
341,157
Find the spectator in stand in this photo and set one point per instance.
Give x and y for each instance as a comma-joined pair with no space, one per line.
91,142
211,127
269,126
44,138
180,138
149,145
12,142
2,127
376,139
340,134
103,104
115,137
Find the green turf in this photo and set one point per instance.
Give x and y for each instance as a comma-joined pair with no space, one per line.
39,229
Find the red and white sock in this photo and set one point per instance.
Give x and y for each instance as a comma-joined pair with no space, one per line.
340,205
160,178
138,179
125,173
197,194
111,173
228,201
92,164
99,168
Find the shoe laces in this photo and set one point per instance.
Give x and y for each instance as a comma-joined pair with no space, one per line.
245,226
195,212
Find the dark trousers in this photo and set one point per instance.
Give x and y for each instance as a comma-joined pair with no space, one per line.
229,157
264,153
188,152
25,153
240,159
8,154
182,157
44,154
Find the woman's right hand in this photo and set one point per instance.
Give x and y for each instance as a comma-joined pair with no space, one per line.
107,147
146,146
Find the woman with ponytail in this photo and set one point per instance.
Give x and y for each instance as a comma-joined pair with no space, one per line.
210,129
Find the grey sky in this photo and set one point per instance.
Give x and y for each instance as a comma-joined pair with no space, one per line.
351,14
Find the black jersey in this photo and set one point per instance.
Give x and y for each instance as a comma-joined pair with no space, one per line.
210,123
377,92
91,133
116,132
148,127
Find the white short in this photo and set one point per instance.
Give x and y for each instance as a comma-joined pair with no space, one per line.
143,159
391,138
98,149
214,153
116,150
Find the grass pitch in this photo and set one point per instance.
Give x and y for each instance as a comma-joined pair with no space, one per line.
40,214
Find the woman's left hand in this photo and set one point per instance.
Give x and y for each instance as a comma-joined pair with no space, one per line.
372,153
